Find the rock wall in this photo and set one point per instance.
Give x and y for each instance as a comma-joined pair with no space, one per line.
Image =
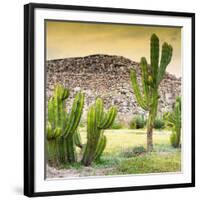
107,77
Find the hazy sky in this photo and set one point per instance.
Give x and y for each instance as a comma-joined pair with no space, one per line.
73,39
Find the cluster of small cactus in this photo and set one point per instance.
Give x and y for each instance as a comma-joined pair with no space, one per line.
62,126
152,75
173,120
97,122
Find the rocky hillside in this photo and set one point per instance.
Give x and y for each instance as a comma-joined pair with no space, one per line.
108,77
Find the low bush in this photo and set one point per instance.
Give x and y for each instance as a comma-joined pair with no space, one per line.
117,125
132,124
159,123
136,151
137,122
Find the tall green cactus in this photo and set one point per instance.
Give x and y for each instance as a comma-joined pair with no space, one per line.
152,75
61,126
97,121
173,119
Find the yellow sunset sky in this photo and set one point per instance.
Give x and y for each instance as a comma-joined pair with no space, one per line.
75,39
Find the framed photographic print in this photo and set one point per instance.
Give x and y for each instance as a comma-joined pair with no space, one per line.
109,99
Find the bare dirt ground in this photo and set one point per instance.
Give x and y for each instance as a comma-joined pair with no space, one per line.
67,173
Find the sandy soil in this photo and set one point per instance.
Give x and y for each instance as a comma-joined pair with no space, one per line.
85,171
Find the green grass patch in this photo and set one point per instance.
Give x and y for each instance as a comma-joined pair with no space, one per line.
150,163
164,158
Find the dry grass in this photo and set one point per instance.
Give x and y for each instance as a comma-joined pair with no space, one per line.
113,161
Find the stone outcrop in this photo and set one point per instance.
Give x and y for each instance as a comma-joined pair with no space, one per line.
108,77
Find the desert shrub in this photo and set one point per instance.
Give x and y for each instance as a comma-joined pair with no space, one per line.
159,123
127,153
136,151
137,122
117,125
132,124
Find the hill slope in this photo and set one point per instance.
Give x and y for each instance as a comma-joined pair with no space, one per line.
108,77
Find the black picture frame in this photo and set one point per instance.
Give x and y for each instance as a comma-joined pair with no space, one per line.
29,94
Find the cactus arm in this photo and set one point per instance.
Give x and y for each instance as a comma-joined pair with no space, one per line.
65,94
71,117
91,122
174,119
54,117
138,95
166,56
178,113
61,93
75,115
154,56
170,119
91,138
60,96
109,118
72,124
144,68
49,131
51,112
78,112
99,110
100,147
77,139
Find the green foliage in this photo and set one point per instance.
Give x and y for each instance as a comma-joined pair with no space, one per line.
132,124
114,162
61,126
174,140
97,121
100,147
137,122
117,125
159,123
173,120
164,147
150,163
147,96
136,151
